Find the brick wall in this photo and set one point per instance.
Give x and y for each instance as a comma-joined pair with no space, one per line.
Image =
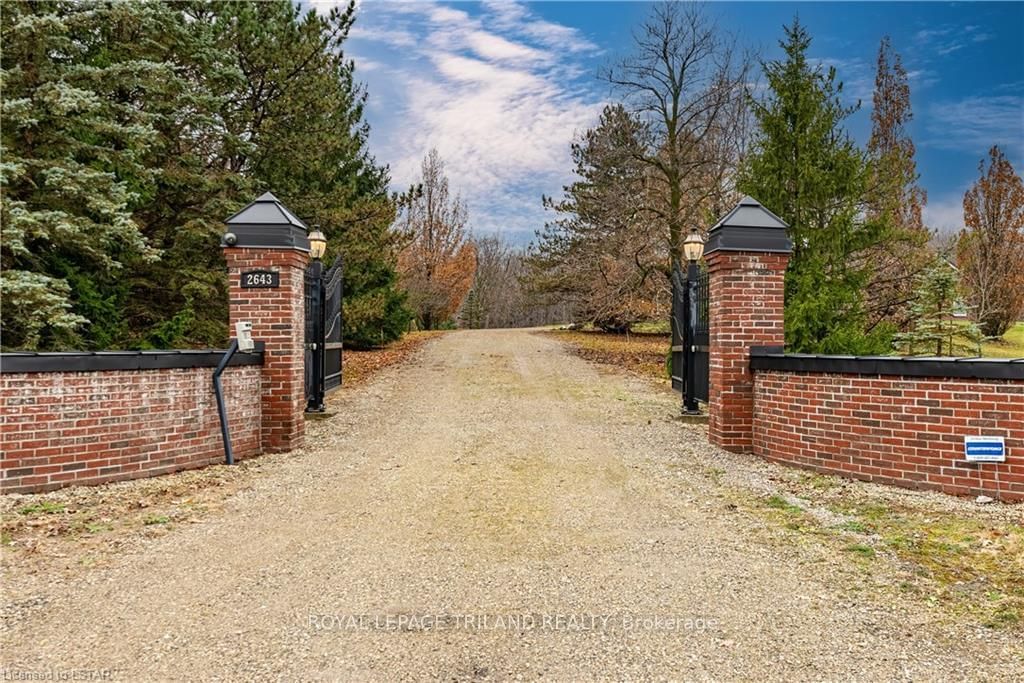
746,302
277,317
62,428
892,429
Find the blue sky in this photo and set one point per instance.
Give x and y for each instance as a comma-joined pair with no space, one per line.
501,88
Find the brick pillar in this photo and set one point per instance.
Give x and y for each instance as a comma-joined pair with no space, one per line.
267,237
746,255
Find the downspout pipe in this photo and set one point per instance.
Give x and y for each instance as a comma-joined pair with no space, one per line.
229,457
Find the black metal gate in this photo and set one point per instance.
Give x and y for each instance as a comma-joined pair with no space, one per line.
332,326
691,331
323,332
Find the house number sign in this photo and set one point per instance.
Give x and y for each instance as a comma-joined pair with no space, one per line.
260,279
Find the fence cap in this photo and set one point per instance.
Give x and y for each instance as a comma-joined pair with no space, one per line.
749,226
266,223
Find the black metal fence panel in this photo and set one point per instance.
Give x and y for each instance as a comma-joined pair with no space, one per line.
323,331
691,330
333,326
678,321
312,328
700,324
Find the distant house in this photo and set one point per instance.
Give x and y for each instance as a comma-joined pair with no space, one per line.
960,307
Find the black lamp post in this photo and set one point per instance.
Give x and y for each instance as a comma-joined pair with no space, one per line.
317,247
693,249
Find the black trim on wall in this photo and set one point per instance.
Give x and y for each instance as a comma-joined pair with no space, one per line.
84,361
771,358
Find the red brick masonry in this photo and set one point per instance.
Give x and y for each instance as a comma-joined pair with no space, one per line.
62,428
278,319
746,308
907,431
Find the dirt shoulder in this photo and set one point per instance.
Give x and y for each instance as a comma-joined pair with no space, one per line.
644,354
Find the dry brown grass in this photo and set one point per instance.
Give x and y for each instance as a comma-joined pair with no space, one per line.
643,354
361,366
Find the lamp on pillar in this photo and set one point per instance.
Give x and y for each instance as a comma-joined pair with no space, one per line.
693,246
317,244
317,247
693,249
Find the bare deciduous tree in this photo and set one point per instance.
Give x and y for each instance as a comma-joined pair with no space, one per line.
498,297
991,248
895,198
437,263
686,80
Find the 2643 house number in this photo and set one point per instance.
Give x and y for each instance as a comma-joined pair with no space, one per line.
260,279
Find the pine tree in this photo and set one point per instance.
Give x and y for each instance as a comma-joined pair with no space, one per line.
805,168
303,110
472,315
73,145
132,129
935,330
606,248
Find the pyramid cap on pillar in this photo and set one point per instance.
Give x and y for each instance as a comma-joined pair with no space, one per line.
749,227
266,223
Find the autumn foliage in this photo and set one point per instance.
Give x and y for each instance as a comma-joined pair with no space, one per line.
894,197
438,262
990,250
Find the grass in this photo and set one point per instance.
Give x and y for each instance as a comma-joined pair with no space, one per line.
1011,345
860,549
44,507
969,566
777,502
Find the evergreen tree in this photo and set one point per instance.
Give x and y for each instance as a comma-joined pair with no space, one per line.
935,330
606,247
73,144
303,110
473,316
132,129
805,168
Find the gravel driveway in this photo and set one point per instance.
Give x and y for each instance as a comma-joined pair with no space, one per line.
498,509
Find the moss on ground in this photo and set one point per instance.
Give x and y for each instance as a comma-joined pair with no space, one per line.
970,566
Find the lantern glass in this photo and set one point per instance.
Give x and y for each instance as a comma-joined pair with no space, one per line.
317,244
693,246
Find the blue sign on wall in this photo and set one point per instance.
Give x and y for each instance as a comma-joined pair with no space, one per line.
985,448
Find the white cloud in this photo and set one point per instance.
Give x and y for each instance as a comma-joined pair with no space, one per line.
947,39
488,90
393,37
517,19
945,214
974,124
491,46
